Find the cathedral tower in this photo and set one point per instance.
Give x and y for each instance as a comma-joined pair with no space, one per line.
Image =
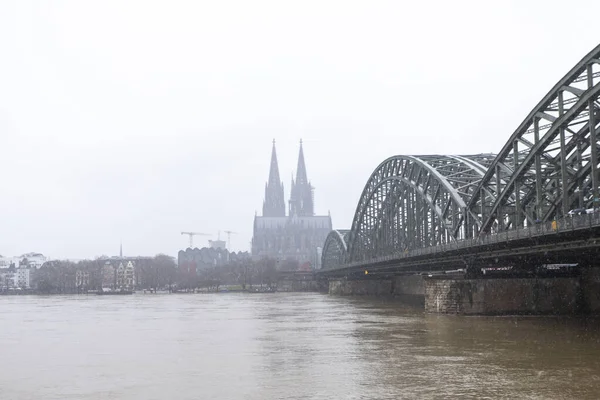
292,241
274,204
301,198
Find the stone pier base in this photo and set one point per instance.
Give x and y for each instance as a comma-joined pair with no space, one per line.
503,296
491,296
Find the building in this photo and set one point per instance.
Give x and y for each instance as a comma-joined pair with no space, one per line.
126,275
192,261
15,278
293,240
17,272
119,273
108,278
195,265
217,244
82,279
23,278
7,262
28,260
32,260
7,279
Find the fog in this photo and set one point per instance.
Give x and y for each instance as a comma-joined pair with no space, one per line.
133,121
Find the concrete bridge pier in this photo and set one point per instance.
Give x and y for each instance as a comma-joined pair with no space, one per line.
579,294
464,294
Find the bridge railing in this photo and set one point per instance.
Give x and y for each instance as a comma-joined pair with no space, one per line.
568,223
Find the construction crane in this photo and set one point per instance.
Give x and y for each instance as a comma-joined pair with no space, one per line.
191,235
229,238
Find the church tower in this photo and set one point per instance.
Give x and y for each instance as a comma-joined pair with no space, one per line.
292,241
301,199
274,204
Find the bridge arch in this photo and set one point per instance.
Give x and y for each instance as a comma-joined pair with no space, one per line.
414,201
335,249
549,165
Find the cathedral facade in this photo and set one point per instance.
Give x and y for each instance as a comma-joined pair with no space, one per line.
294,237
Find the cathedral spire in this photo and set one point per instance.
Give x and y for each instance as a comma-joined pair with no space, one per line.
274,171
274,204
301,199
301,178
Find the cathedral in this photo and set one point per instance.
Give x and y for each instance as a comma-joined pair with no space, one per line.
293,238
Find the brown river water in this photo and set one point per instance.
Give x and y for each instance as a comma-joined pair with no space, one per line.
284,346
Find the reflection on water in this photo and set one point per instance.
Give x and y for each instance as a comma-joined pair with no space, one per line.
284,346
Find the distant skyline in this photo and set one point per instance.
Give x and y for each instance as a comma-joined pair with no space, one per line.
133,121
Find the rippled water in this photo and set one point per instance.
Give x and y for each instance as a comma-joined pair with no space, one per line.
284,346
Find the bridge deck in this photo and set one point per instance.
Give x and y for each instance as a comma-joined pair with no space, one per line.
570,238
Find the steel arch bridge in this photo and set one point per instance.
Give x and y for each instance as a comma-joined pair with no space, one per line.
548,166
335,249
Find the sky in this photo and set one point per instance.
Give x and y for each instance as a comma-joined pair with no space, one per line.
131,121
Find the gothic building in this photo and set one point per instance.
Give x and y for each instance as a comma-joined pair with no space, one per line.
293,240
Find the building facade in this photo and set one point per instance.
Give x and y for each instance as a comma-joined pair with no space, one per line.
7,279
82,279
126,275
193,261
122,273
15,278
293,239
23,278
28,260
108,276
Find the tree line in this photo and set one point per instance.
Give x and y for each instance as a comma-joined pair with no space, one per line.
155,273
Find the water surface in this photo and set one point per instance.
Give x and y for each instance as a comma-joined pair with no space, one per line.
284,346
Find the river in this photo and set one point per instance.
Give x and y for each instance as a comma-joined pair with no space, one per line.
284,346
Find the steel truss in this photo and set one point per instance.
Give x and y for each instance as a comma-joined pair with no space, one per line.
414,201
550,163
548,166
335,249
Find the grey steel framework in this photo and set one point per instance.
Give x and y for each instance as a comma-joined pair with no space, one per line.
335,248
548,166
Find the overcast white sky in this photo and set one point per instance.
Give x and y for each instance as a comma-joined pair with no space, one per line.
136,120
